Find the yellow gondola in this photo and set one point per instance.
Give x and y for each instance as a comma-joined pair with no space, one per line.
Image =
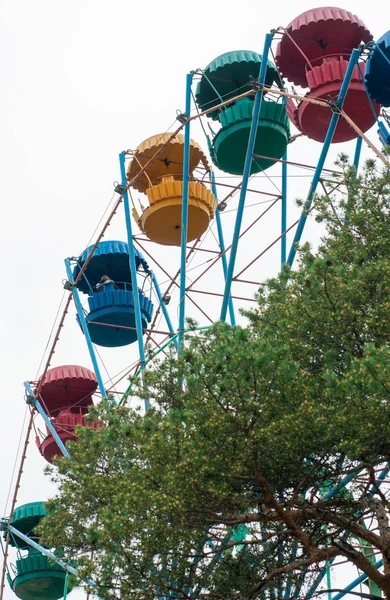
162,183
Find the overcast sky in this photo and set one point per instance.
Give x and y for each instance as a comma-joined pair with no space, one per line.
81,81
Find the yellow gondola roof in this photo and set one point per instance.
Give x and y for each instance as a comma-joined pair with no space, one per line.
169,161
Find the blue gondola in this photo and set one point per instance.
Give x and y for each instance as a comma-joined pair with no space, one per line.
111,316
378,71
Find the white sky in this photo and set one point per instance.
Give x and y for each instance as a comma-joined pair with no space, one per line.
81,81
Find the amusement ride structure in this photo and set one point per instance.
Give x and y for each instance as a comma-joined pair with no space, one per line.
176,199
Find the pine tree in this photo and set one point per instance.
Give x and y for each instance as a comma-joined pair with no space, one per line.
259,459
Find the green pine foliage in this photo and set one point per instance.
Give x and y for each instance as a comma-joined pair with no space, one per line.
231,486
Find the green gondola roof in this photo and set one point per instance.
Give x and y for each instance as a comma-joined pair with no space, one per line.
230,74
25,518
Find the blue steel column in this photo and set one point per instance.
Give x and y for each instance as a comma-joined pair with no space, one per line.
293,554
356,160
221,242
283,240
356,582
358,149
328,579
213,562
84,326
66,586
49,424
184,213
328,139
382,476
133,268
163,307
245,177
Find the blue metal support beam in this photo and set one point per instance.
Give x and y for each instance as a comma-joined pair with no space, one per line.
355,582
213,562
66,584
335,489
332,492
184,212
83,322
324,152
358,149
133,268
221,243
245,177
298,587
31,399
46,552
328,579
356,160
382,475
164,308
283,239
85,277
293,554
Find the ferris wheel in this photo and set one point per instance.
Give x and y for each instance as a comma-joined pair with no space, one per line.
199,218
